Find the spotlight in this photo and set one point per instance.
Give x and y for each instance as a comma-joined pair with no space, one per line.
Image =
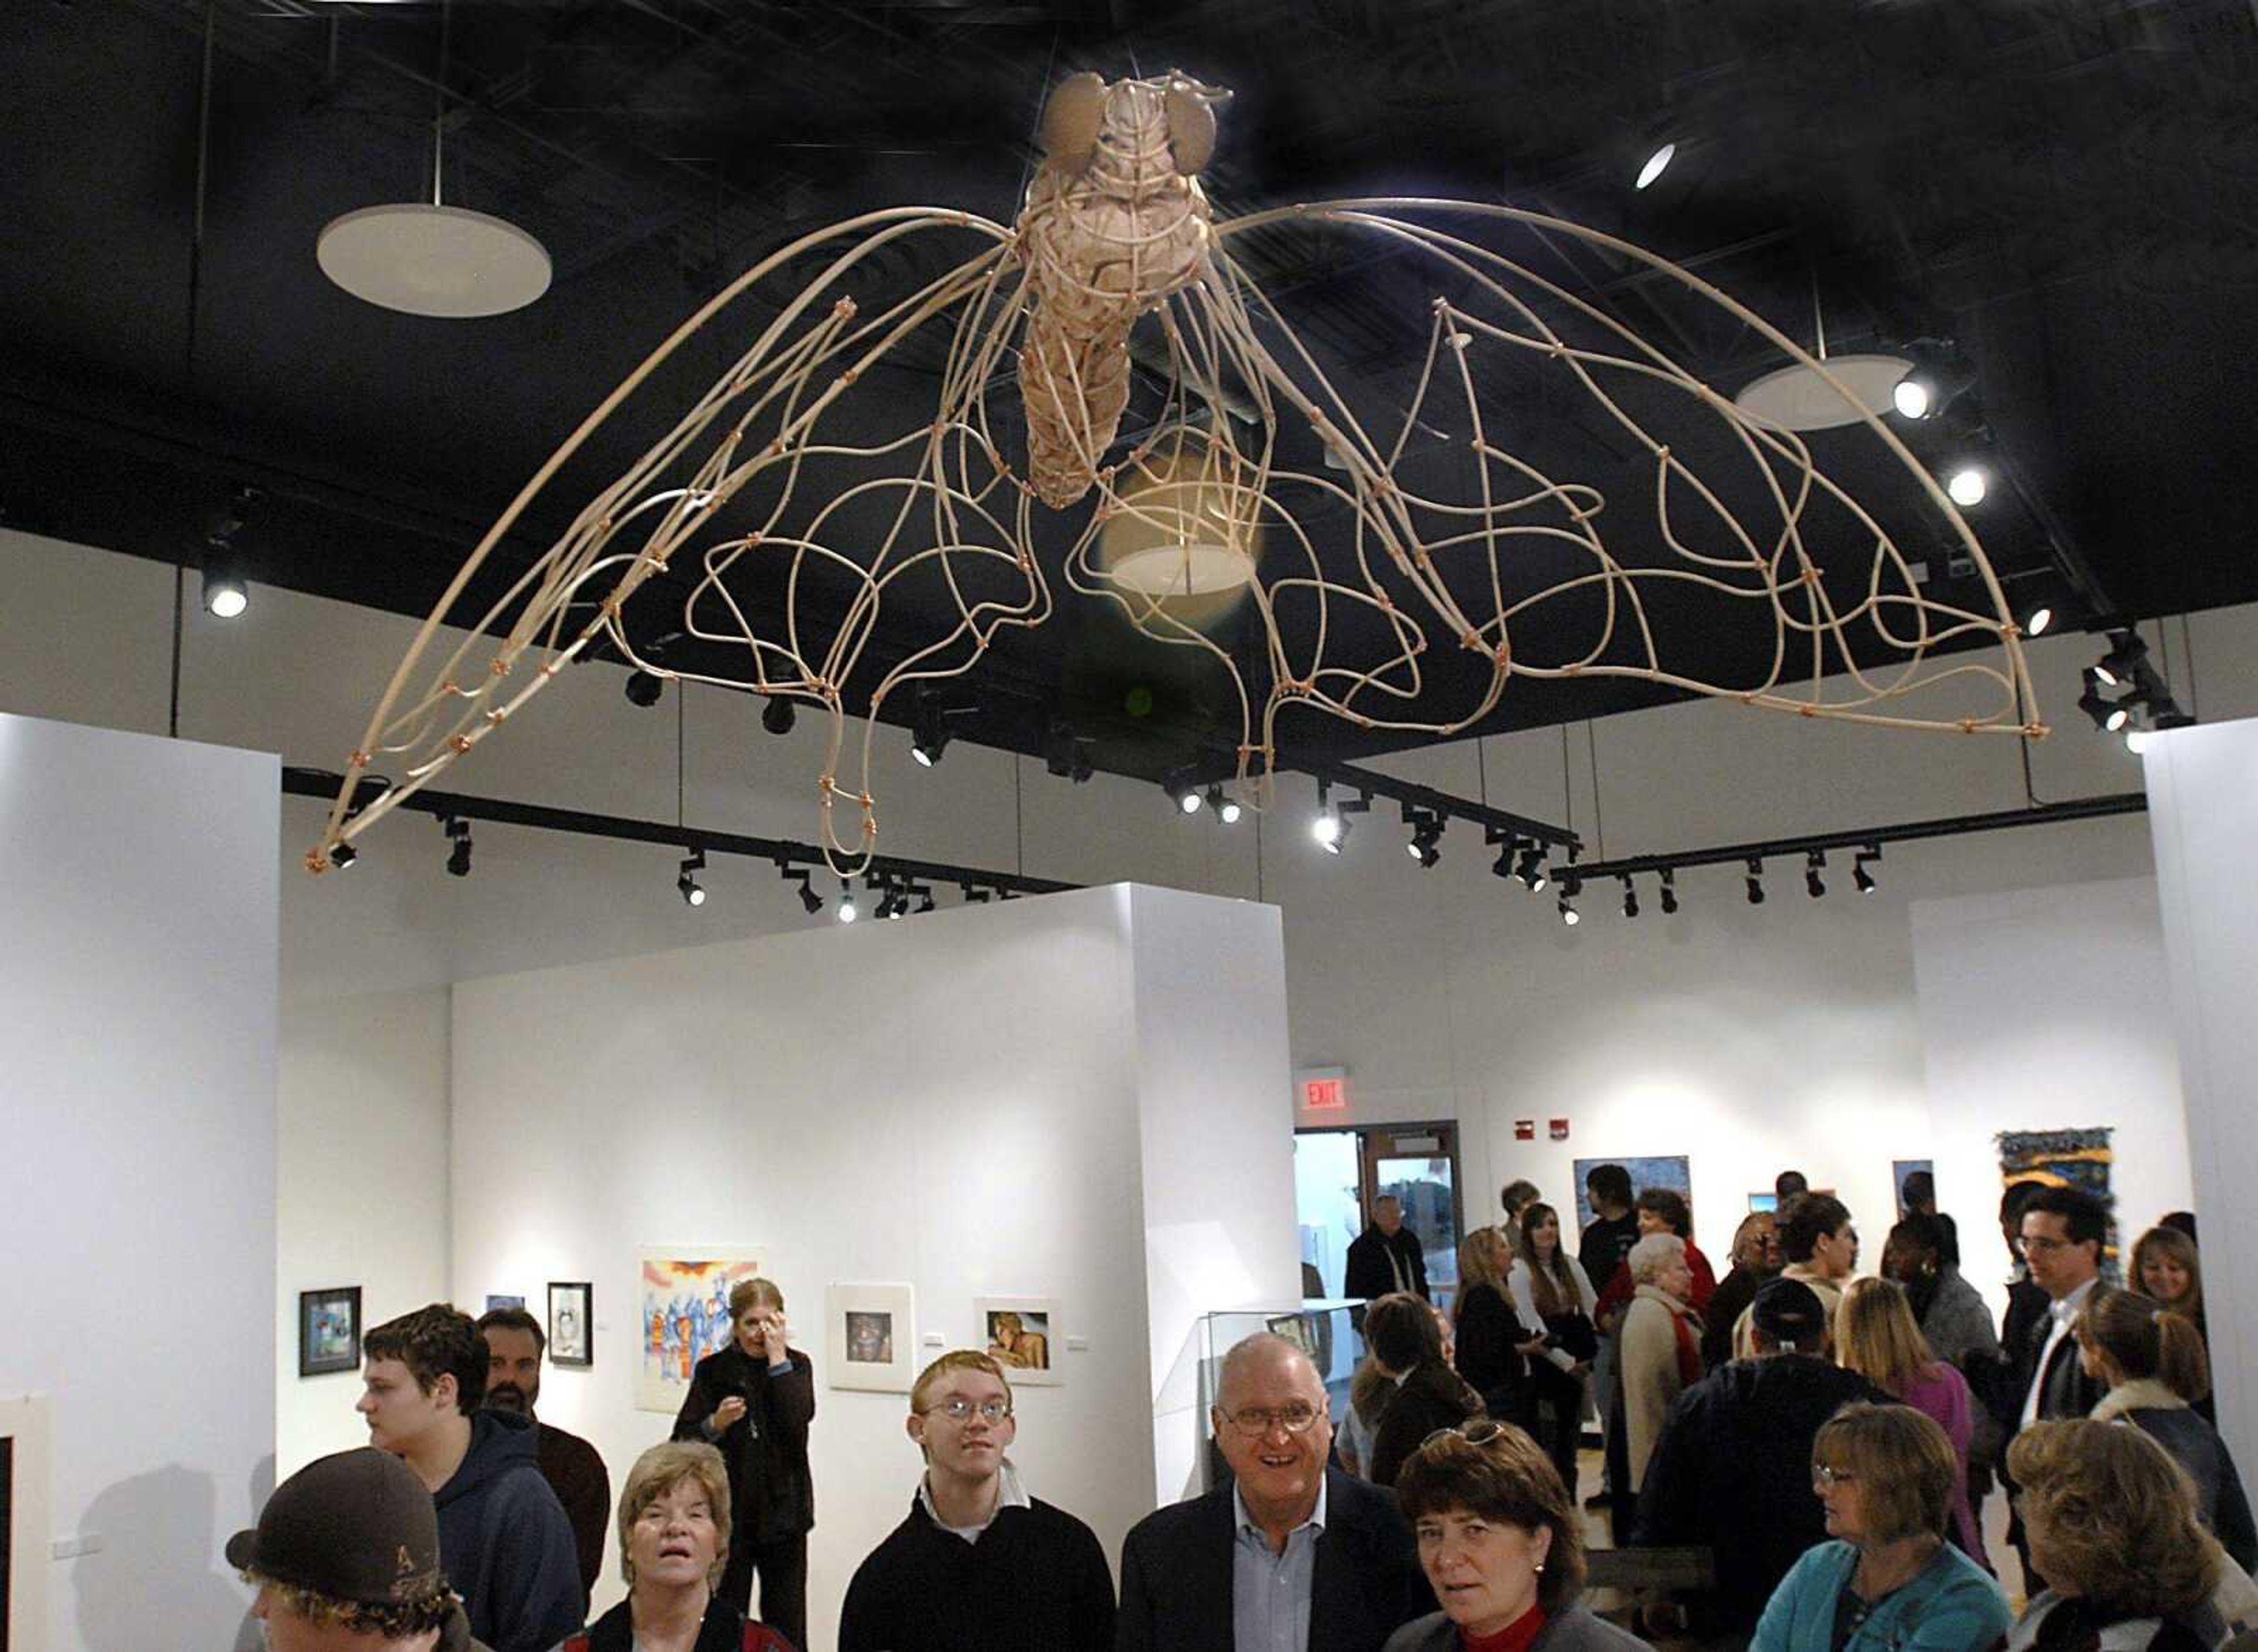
848,912
928,732
342,856
1630,899
1967,483
1501,867
778,715
1067,754
1657,162
2119,714
2093,705
1859,874
974,896
644,689
810,902
1426,833
1226,809
686,883
458,858
1755,881
1940,376
2036,622
1669,891
923,895
1331,828
2128,654
1814,884
1183,787
225,594
1532,872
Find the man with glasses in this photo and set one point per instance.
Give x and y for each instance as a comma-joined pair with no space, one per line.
1292,1556
978,1565
2063,1229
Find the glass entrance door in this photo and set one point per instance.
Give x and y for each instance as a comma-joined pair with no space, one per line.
1419,1163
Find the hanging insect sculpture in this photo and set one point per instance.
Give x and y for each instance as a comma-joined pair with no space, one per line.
1354,539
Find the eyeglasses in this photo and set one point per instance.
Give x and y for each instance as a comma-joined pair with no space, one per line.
2043,1243
1480,1431
1256,1420
1821,1475
962,1410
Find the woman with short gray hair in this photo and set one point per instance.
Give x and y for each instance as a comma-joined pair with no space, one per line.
1658,1358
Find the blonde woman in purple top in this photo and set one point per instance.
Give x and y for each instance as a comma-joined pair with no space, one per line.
1876,1337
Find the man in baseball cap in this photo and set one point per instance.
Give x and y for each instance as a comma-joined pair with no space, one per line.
345,1558
1738,1444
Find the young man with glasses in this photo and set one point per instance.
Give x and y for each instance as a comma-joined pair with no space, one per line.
1292,1555
2063,1232
978,1565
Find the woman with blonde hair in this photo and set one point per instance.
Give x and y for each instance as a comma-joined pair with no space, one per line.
674,1544
1876,1337
2168,1269
2153,1361
2114,1532
1487,1332
1887,1579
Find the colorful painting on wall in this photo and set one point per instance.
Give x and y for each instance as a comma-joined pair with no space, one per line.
1675,1172
2057,1158
1021,1334
682,1314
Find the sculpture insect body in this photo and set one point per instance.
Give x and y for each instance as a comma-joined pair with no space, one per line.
1350,567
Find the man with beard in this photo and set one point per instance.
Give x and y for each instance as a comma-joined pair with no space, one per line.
575,1472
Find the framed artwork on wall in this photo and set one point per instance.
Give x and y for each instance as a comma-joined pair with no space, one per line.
572,1328
1899,1169
682,1314
329,1330
1020,1333
1763,1202
870,1335
495,1301
24,1529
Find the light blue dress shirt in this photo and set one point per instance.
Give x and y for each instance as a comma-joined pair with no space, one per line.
1270,1592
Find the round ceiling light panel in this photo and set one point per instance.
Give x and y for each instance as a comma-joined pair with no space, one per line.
1795,398
423,259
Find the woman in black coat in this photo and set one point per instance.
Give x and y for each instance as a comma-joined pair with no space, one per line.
1407,1341
754,1399
1487,1333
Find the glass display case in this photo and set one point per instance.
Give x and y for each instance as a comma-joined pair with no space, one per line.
1320,1324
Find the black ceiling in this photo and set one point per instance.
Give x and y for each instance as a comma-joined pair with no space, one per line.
2069,189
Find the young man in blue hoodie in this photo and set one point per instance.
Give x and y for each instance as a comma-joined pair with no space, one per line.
504,1542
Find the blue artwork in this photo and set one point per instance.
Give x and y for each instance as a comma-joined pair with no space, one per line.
1675,1172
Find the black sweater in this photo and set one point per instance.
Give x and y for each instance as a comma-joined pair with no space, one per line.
1035,1582
772,1495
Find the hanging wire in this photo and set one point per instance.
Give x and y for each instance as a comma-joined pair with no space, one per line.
1481,770
681,702
439,99
1567,791
1018,820
2187,647
1599,819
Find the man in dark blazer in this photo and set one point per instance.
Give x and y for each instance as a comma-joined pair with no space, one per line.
2063,1229
1385,1257
1293,1556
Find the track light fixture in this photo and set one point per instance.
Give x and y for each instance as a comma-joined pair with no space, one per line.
847,910
1669,891
2109,716
1814,884
1654,162
1426,836
928,732
1571,887
778,715
1859,874
643,688
344,856
1505,844
1939,377
686,883
1331,828
1630,899
1754,883
1532,872
810,902
2128,654
459,857
1067,754
1183,787
226,594
1967,482
1226,808
974,896
2039,620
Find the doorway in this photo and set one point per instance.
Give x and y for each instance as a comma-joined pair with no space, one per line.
1338,1173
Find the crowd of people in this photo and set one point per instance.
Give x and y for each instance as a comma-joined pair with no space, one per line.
1823,1440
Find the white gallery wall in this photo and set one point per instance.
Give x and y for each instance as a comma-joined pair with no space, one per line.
136,1184
362,1141
2203,784
1008,1100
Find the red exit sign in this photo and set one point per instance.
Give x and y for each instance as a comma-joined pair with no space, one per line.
1324,1090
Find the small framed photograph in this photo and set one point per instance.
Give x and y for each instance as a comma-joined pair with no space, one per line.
872,1336
495,1301
329,1330
1020,1333
571,1327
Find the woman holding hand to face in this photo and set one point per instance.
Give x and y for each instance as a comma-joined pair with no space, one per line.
754,1401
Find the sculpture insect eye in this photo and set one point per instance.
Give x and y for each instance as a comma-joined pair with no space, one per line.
1191,128
1071,120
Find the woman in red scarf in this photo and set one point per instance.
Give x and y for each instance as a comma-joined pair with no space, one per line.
1658,1358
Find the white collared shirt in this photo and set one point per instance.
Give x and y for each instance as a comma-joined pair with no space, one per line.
2061,1313
1009,1494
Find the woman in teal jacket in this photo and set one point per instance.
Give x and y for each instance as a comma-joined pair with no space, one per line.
1889,1582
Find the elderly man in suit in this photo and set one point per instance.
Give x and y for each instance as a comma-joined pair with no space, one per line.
1294,1556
